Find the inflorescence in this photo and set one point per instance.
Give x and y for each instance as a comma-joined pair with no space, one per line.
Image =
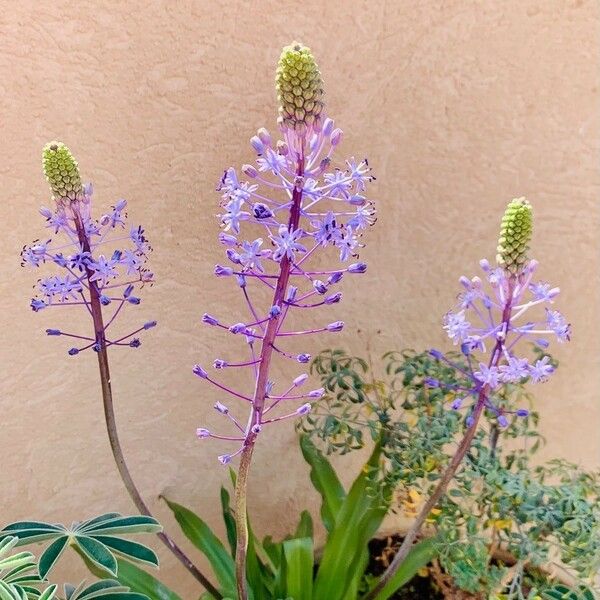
94,273
303,204
489,326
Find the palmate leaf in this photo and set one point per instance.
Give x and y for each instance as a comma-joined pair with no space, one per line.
18,574
97,539
107,589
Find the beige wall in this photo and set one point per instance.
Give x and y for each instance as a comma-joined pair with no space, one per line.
460,106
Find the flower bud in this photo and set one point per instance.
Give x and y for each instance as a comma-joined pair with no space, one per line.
61,171
303,358
359,267
249,171
336,326
304,409
209,319
299,87
515,234
202,433
238,328
319,286
221,408
334,298
221,271
300,380
200,372
318,393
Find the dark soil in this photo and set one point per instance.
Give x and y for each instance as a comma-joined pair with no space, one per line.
381,552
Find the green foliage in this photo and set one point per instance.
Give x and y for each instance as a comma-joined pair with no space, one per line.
107,589
20,578
98,540
288,569
498,497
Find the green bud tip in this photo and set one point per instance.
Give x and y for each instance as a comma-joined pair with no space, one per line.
515,235
299,87
61,171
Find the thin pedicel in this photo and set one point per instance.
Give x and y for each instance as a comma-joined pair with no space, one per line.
304,206
98,279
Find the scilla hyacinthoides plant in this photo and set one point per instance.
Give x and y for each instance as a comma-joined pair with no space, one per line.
489,325
303,204
100,264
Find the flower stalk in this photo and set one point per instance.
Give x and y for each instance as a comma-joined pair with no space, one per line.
304,206
94,281
511,283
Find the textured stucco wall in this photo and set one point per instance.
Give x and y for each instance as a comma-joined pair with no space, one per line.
460,105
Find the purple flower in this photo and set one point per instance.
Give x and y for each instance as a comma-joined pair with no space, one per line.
541,370
286,243
488,375
302,208
251,255
88,279
456,326
514,370
557,323
327,230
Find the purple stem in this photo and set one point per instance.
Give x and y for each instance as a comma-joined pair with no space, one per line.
258,402
111,425
452,467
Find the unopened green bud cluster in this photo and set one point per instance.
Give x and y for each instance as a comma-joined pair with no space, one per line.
61,171
515,235
299,87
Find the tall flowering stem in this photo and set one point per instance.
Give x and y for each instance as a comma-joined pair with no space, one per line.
98,276
304,205
489,328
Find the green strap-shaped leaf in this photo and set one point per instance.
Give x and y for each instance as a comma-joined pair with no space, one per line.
99,519
51,554
48,593
144,583
28,536
417,558
19,525
305,526
325,481
97,553
120,525
299,563
128,549
8,592
229,520
357,521
200,534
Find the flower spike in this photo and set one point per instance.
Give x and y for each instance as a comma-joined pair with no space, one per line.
299,87
90,277
281,217
515,235
61,171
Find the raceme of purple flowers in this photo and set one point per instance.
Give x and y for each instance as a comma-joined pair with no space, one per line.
278,215
86,258
490,324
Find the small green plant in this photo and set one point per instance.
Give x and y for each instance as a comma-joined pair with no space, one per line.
503,518
99,541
